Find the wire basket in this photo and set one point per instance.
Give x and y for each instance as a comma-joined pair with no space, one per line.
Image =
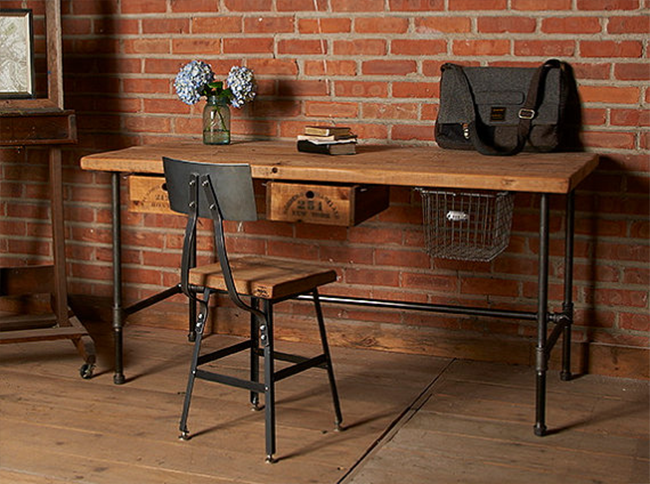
466,226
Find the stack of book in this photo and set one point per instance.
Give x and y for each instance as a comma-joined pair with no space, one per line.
330,140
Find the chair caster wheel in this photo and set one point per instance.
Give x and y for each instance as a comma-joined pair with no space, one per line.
270,459
184,435
86,371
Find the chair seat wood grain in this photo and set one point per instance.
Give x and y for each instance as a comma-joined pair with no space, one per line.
265,278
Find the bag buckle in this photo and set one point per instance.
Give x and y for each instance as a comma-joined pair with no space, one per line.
526,113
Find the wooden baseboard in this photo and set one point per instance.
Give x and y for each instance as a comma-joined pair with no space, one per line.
592,358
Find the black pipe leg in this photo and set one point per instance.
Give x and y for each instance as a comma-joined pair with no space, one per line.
541,355
118,315
269,381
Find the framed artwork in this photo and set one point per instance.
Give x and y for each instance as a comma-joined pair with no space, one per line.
16,54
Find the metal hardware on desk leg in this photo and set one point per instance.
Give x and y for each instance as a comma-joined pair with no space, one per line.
541,356
567,305
118,315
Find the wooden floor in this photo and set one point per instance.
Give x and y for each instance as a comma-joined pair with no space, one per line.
409,419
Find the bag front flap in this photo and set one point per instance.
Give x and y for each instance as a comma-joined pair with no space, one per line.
499,93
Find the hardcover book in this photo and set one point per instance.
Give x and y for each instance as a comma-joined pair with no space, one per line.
327,130
327,149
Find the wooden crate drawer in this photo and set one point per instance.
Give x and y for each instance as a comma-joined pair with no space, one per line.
330,204
146,194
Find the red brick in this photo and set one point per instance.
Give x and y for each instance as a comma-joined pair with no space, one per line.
389,111
607,5
331,68
147,46
608,48
637,275
622,297
444,24
144,6
275,67
159,26
302,46
628,25
388,67
194,5
630,117
248,5
250,45
393,25
371,277
346,254
481,47
634,321
425,90
301,5
361,89
357,5
75,26
418,47
268,24
502,25
147,85
332,109
303,88
547,48
489,286
360,47
216,25
477,4
541,5
415,5
632,72
95,7
324,25
610,94
407,132
571,25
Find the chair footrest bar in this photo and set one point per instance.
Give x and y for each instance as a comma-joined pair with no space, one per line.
223,352
230,380
299,367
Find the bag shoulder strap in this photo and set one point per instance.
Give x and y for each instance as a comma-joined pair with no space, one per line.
526,114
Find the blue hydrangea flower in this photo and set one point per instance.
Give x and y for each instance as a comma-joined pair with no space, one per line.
242,84
192,80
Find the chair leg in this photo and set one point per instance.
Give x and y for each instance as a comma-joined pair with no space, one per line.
200,326
254,356
330,371
269,400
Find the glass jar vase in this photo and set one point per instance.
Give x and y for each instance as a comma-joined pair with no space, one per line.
216,121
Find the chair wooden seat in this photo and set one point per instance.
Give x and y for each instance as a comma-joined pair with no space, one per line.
264,278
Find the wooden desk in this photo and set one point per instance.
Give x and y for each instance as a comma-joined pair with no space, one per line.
545,174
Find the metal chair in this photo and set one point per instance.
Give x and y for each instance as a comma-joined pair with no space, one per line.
225,192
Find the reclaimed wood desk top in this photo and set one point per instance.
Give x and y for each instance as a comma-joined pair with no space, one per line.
373,164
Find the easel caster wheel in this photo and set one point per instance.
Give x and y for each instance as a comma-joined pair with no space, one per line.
86,371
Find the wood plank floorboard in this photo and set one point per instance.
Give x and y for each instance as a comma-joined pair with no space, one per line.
474,425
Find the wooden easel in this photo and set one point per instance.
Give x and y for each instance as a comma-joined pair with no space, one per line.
44,122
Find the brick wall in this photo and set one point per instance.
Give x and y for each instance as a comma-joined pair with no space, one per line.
373,65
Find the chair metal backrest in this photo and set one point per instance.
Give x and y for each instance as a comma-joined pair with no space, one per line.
217,191
232,184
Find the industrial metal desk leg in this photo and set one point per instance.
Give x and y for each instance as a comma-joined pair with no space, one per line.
118,314
541,360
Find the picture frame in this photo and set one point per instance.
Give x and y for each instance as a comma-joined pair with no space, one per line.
16,54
